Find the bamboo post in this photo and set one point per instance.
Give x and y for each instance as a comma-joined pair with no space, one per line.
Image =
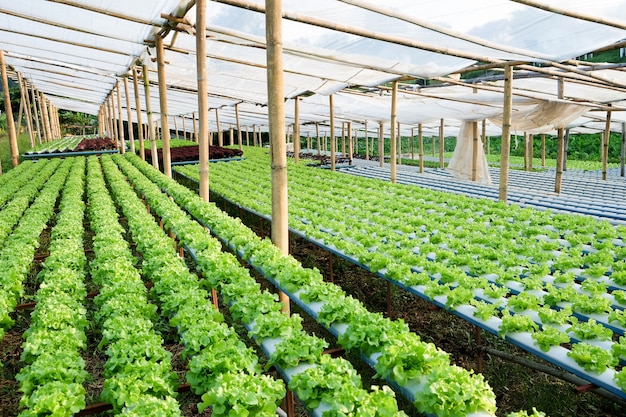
622,153
15,153
475,151
332,133
350,146
182,117
254,143
392,140
203,105
565,149
44,117
276,106
605,144
531,147
420,139
296,131
151,126
381,144
142,150
525,151
367,144
29,115
560,145
247,137
195,129
57,124
506,133
543,150
343,139
114,122
433,147
220,137
441,146
231,135
308,141
120,119
175,126
412,143
36,112
317,138
238,127
484,135
129,115
165,129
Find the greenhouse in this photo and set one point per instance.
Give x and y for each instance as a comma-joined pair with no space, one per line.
330,208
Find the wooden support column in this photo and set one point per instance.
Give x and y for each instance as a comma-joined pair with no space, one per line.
317,138
332,133
531,146
367,144
114,122
484,136
622,152
36,112
560,148
247,137
195,128
296,131
442,162
231,135
182,117
120,118
525,151
605,144
420,139
392,140
475,151
165,128
29,115
343,139
412,143
238,127
203,104
350,146
543,150
142,149
308,141
15,153
220,137
151,126
506,133
399,145
129,115
381,144
45,116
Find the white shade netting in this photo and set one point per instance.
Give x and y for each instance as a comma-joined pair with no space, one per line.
461,164
545,117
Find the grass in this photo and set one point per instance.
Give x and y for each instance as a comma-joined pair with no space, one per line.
23,144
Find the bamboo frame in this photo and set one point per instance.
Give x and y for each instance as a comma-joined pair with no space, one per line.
442,162
114,121
238,126
317,138
420,138
332,132
296,131
474,151
195,128
350,145
15,153
531,146
220,137
29,115
276,107
392,148
45,117
165,128
506,133
367,144
151,126
35,110
560,148
203,104
605,145
142,149
381,144
120,119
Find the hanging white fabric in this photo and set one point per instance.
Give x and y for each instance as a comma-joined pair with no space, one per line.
460,165
545,117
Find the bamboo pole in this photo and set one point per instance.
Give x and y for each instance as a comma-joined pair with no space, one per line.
195,129
120,119
56,121
367,144
543,150
276,106
412,143
317,138
165,128
381,144
343,139
114,119
308,141
151,126
203,104
475,151
484,134
332,132
506,133
46,117
441,146
247,137
350,146
29,115
15,153
420,139
220,137
142,149
296,131
399,145
129,115
605,144
560,148
36,112
525,151
622,153
238,127
231,135
433,147
254,135
182,117
392,140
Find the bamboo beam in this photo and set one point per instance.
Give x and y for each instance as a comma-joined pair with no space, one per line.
203,104
392,140
142,149
276,107
238,126
332,132
151,126
420,139
36,112
296,131
475,151
15,153
165,128
605,144
381,144
120,118
442,162
572,14
506,133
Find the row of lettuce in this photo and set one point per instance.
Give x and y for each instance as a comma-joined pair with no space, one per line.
560,277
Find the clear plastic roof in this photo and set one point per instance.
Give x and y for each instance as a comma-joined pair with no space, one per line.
76,51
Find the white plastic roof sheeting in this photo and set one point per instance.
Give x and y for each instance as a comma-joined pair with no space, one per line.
75,52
